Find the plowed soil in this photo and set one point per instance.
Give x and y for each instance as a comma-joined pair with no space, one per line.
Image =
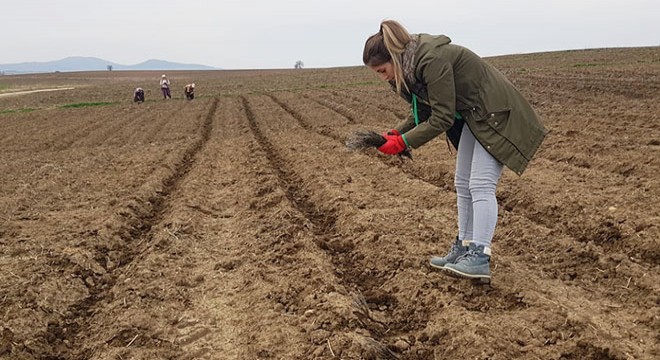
238,225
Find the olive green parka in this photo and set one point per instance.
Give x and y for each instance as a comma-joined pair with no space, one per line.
454,86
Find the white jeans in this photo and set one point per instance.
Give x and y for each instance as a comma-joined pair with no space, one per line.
477,174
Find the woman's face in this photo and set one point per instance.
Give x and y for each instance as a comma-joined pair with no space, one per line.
385,71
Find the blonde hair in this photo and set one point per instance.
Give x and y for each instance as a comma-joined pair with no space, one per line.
388,45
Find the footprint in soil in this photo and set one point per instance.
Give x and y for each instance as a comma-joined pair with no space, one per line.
6,338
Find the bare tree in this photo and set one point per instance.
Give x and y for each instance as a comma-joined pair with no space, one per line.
109,67
299,64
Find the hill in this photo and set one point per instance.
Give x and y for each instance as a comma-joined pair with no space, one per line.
81,63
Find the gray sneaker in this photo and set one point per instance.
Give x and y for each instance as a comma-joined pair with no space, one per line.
458,248
474,264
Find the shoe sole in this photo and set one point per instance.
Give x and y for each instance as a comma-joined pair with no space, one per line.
437,266
485,279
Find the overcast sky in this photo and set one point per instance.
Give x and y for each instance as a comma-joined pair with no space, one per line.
266,34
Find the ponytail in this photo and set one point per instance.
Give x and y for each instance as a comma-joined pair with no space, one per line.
388,45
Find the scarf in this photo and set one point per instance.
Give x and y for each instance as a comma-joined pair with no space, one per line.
408,62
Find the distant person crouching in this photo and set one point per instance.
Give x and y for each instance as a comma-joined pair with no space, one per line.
138,95
189,91
165,87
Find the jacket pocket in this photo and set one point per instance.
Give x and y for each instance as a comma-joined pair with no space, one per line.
474,112
518,134
495,118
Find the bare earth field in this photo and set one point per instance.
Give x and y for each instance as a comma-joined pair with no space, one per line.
238,225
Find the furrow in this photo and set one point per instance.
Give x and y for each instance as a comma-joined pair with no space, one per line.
138,220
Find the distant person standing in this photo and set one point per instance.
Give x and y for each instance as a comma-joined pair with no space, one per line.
189,91
165,87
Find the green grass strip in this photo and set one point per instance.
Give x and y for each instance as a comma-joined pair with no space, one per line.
587,65
86,104
14,111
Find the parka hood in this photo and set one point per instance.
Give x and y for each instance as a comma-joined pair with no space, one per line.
436,39
415,50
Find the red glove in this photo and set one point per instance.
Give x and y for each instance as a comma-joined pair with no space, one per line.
394,144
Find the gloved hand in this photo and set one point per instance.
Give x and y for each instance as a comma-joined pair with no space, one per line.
394,144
